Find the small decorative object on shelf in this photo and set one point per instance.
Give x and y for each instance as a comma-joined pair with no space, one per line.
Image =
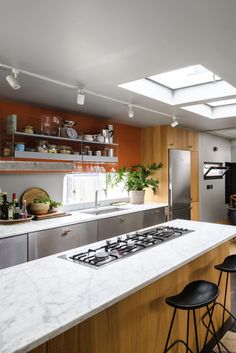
11,123
29,129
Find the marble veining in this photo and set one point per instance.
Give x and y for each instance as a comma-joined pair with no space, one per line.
43,298
75,218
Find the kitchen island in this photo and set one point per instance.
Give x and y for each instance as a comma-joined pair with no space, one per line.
56,306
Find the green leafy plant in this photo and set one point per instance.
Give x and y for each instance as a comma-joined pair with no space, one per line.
137,177
42,200
55,204
47,200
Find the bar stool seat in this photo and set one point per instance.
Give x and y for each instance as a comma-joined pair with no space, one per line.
195,295
228,265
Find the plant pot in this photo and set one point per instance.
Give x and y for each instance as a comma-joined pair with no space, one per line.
137,196
39,208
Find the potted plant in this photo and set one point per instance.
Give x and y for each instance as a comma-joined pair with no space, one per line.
55,205
40,206
43,205
136,179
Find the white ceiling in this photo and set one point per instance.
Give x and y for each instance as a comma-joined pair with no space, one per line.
100,44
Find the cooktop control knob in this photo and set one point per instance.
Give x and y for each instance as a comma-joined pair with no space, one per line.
108,241
119,238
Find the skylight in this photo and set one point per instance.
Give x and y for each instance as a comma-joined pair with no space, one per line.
186,77
192,85
221,103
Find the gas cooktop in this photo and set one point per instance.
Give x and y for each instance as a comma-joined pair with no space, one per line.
125,245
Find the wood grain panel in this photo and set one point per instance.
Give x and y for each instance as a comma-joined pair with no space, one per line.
193,141
194,211
177,138
40,349
139,323
151,151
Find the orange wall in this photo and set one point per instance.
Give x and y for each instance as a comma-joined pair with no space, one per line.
128,137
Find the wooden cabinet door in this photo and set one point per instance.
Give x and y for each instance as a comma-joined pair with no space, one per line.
195,211
177,138
194,175
193,141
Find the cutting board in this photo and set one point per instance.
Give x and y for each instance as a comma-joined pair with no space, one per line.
33,193
51,215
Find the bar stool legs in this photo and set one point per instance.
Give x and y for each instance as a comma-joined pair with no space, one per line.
195,295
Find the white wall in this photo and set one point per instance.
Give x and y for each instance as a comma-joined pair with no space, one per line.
212,202
52,183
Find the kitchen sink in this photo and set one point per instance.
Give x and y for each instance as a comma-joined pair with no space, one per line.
104,210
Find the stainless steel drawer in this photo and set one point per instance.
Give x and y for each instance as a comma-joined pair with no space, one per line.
153,217
13,251
112,226
55,240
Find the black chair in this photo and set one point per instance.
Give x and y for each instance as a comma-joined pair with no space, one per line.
195,295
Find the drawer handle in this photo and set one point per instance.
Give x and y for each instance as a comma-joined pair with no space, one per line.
66,232
157,211
122,219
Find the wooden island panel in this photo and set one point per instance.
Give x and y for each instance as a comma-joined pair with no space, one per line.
140,322
40,349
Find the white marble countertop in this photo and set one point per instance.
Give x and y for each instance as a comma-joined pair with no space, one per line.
76,217
43,298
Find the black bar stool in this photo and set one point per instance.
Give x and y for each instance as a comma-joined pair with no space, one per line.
227,266
195,295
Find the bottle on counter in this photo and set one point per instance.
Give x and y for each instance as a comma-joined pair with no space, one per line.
14,198
24,212
16,213
4,206
10,211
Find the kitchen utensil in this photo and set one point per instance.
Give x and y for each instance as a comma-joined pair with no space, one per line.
98,138
68,123
111,133
110,152
105,134
33,193
88,137
69,132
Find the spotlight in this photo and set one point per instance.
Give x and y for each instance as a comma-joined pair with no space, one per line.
174,122
130,111
12,79
80,97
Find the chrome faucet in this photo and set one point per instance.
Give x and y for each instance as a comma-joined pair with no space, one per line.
96,204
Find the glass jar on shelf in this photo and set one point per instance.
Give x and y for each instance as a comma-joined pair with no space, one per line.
42,146
29,129
52,148
7,150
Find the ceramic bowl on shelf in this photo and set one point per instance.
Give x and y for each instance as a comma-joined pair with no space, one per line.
88,138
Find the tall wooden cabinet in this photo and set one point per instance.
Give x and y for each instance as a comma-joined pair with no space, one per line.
156,141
